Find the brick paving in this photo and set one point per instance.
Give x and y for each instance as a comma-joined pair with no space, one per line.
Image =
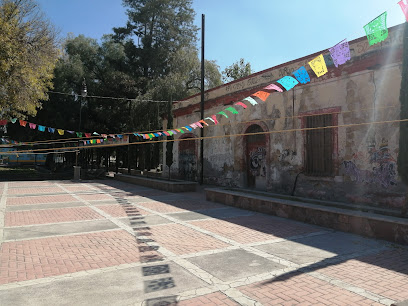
119,253
45,199
119,211
25,260
302,290
18,218
183,240
254,228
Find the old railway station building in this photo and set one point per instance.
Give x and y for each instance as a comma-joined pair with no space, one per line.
355,161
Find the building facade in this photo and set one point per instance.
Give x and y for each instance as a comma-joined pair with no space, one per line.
335,138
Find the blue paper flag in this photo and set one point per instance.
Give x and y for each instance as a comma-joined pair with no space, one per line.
120,136
301,75
288,82
51,130
41,128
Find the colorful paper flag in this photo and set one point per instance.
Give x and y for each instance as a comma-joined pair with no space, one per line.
167,134
194,126
301,75
61,132
404,8
98,141
224,114
23,123
3,122
51,130
203,122
174,132
273,87
251,100
263,95
147,136
288,82
94,133
199,125
241,104
232,110
88,135
41,128
340,53
71,132
377,30
119,136
215,119
79,134
32,125
319,66
13,120
181,131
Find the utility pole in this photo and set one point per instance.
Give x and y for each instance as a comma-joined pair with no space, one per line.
202,97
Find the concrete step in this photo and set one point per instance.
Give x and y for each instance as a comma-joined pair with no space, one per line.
374,225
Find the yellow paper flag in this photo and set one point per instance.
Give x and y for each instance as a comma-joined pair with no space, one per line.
319,66
61,132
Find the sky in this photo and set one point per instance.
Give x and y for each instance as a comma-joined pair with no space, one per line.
265,33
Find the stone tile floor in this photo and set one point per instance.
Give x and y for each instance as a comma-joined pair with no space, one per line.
112,243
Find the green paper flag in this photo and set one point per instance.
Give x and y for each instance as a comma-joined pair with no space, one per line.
377,30
14,120
232,110
79,134
224,114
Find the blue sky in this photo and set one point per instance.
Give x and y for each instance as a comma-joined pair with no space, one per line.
264,32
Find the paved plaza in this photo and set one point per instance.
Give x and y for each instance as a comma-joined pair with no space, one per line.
111,243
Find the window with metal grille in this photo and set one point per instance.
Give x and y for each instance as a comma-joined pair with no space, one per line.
319,146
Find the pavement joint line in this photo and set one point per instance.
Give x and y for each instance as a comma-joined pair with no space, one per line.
357,290
62,235
50,279
56,223
3,199
27,206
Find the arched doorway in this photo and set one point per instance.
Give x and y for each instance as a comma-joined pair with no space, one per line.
256,158
188,158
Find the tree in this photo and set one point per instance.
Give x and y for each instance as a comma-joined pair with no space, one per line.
403,140
28,53
236,71
155,30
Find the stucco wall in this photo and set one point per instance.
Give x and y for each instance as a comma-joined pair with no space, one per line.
364,90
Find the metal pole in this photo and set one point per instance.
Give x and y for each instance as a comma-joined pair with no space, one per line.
202,97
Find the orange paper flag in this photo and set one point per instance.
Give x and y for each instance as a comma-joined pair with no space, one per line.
262,95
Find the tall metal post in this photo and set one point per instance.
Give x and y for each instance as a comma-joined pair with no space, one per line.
202,97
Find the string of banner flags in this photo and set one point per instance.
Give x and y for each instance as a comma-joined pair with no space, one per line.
376,32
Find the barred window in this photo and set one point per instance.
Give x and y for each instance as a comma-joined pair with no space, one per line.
319,146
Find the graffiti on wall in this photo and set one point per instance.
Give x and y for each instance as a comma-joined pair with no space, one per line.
257,162
382,170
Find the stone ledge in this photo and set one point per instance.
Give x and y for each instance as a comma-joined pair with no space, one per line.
170,186
372,225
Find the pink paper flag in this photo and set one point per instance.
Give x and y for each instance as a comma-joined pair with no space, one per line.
273,87
32,125
199,124
215,119
241,104
194,126
404,8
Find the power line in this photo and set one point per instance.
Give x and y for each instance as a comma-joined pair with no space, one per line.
110,98
220,136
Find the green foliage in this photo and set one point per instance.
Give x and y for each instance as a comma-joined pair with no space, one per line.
236,71
403,142
28,54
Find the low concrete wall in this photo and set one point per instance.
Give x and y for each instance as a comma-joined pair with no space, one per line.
170,186
366,224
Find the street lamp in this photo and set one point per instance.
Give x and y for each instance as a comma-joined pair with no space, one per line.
84,93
